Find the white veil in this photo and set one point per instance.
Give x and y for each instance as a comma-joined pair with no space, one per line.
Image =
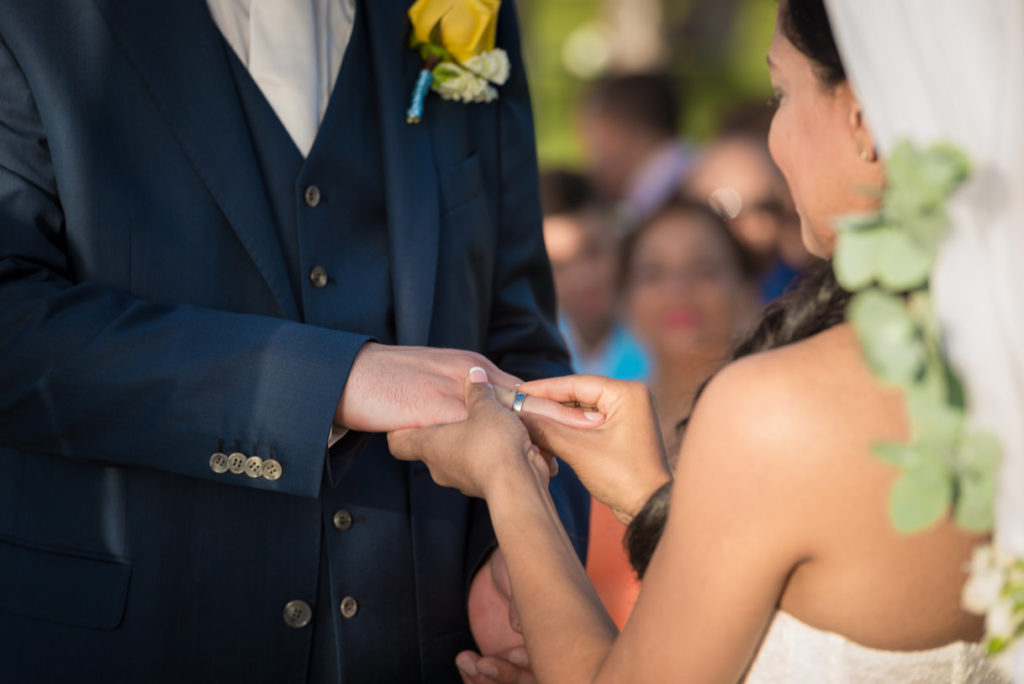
953,70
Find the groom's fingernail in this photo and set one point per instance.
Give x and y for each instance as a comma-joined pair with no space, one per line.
593,416
477,375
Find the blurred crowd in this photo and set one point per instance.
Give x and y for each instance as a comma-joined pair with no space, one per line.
663,252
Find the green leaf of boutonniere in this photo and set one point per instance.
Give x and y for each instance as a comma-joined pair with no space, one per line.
435,33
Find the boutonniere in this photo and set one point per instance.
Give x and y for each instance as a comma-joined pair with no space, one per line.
456,40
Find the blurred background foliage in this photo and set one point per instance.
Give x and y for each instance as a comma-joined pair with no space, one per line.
714,51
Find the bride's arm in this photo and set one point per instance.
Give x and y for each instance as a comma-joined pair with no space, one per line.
743,498
735,532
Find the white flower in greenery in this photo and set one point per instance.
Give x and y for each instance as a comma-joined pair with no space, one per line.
986,580
493,65
1000,621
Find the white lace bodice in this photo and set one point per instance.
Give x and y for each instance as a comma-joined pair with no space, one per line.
796,652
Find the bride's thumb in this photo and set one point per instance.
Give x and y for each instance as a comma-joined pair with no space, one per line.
478,388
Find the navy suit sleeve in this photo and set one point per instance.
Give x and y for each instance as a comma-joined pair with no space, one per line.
88,372
523,338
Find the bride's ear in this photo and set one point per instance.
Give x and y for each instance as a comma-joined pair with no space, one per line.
862,138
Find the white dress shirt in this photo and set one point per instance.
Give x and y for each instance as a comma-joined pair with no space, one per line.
293,50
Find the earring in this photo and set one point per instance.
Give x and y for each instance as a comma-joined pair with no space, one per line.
868,156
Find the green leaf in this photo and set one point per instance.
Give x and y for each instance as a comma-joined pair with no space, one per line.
927,230
920,497
934,381
935,423
445,72
978,461
974,502
980,452
435,33
921,312
919,183
898,454
888,336
901,265
854,260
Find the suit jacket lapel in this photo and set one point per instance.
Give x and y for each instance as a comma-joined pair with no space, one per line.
178,52
410,176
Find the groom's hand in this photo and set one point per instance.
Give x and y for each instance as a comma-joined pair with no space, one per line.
393,388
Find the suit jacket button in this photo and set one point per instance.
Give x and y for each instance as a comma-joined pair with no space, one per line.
272,470
297,614
342,520
236,462
219,463
318,276
312,196
349,607
254,466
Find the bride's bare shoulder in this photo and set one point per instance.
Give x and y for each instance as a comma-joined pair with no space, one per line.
811,394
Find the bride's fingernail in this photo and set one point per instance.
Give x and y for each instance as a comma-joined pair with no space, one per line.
593,416
466,665
477,375
518,656
489,670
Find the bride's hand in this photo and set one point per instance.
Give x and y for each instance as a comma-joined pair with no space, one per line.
475,453
622,460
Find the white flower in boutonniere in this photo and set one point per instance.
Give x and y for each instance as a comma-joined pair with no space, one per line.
456,40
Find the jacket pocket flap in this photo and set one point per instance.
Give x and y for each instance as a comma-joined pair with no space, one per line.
62,587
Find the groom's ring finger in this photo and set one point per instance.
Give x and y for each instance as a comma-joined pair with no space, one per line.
539,406
517,403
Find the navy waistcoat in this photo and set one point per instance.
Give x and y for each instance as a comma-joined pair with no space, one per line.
329,211
329,208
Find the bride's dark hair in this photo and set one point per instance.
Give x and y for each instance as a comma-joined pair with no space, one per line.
816,304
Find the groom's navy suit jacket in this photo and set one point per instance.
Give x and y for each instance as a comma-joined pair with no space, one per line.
155,309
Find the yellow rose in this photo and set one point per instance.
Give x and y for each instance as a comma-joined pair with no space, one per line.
468,27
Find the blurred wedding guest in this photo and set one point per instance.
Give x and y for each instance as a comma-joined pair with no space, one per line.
737,178
689,297
629,128
585,263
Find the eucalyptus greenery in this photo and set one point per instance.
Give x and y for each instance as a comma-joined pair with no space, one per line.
886,260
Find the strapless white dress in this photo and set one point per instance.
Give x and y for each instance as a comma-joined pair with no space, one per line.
793,651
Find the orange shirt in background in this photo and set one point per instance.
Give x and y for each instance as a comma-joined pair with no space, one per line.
608,563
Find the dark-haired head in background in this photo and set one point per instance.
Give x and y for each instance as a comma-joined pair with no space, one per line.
629,129
736,176
690,297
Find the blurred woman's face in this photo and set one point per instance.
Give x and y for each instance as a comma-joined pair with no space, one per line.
819,141
685,295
